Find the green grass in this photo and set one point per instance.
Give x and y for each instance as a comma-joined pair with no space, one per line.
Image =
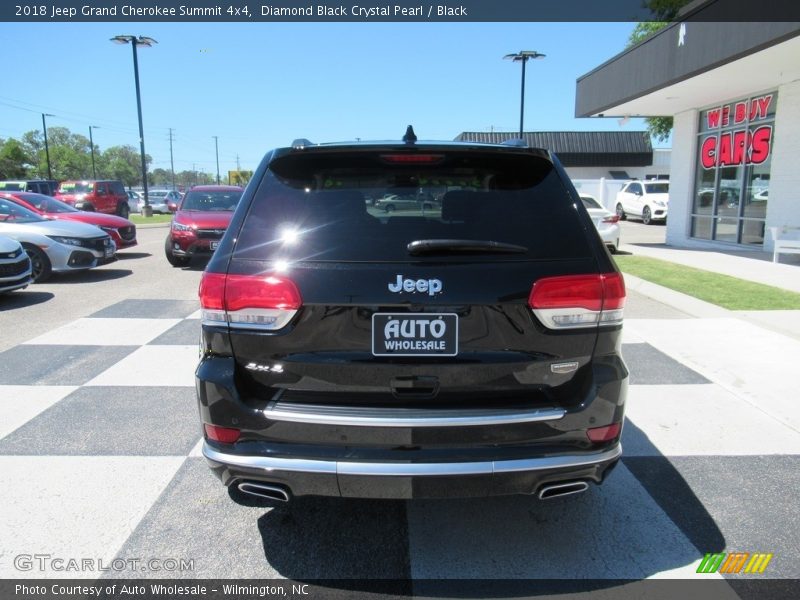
722,290
140,220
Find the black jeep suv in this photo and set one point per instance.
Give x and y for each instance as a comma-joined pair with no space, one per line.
464,347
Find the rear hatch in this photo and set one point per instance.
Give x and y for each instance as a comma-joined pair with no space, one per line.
332,300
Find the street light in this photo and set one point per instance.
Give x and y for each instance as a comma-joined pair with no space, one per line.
139,41
216,148
46,147
523,56
91,145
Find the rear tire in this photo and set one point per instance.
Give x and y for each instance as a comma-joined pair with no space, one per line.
175,261
41,267
88,208
647,217
389,208
123,210
621,213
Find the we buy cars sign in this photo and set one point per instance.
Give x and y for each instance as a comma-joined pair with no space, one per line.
746,146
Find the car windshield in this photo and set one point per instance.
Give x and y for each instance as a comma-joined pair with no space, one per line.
75,188
590,203
657,188
157,195
46,203
10,212
361,207
11,186
211,201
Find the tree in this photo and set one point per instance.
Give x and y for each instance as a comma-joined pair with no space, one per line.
123,163
69,153
14,160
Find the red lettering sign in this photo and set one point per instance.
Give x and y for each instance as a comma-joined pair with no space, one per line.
733,148
754,110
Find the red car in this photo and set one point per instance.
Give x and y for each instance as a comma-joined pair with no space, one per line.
122,231
200,222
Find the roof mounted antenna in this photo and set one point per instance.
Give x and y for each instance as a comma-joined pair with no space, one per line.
515,142
301,143
410,137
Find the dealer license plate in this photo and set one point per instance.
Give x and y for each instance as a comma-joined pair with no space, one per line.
108,251
214,245
414,334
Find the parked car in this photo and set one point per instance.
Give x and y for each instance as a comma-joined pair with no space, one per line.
54,246
474,351
645,200
200,222
38,186
122,231
134,201
163,201
15,266
606,222
105,196
410,201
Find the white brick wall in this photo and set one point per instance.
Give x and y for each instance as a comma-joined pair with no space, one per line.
681,180
784,188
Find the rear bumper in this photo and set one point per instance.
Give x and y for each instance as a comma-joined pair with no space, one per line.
405,480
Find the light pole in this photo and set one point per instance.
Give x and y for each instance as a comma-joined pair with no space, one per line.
523,56
91,145
46,147
216,148
134,41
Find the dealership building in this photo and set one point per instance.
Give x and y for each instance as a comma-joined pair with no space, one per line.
734,92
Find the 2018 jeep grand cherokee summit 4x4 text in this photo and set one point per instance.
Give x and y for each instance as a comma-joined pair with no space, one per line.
467,348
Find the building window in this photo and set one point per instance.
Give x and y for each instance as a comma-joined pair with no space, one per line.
732,173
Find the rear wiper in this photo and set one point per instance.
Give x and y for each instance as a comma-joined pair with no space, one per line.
418,247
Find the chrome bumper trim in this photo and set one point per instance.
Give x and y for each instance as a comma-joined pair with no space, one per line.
405,417
411,469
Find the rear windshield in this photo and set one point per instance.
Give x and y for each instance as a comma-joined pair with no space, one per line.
212,201
11,186
367,207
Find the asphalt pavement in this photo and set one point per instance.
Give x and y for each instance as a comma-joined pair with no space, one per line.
99,455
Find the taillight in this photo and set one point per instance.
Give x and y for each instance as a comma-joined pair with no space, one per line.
611,219
574,301
248,301
225,435
604,434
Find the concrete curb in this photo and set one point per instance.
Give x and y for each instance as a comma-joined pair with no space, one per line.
682,302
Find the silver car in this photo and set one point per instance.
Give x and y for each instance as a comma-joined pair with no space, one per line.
606,222
15,266
160,200
55,246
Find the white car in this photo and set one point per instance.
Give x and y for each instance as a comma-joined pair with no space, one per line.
606,222
15,266
645,200
55,246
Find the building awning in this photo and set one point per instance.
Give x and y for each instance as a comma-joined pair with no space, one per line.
580,148
660,75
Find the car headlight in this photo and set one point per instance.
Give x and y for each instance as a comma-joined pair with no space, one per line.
69,241
181,227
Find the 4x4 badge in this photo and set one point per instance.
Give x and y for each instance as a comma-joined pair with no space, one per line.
431,286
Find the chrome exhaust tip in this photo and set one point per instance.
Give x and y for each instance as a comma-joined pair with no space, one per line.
264,490
562,489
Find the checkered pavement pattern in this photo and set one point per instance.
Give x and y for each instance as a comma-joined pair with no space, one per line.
100,458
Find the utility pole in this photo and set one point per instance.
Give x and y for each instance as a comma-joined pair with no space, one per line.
46,147
238,168
91,144
216,148
171,162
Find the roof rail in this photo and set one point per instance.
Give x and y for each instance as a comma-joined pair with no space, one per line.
301,143
516,142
